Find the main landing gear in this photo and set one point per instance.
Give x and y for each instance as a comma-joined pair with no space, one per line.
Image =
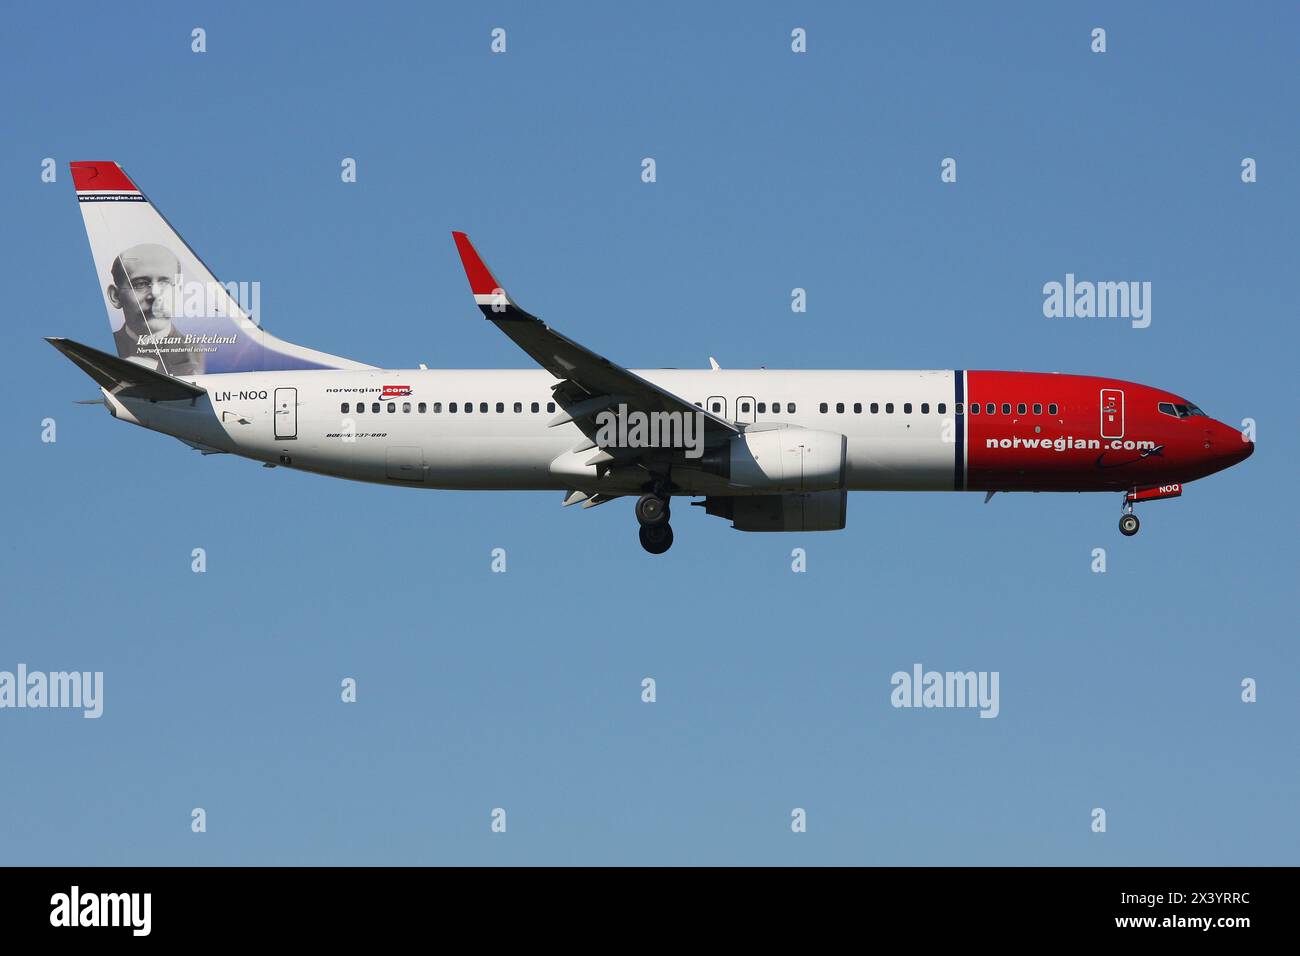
1128,521
653,513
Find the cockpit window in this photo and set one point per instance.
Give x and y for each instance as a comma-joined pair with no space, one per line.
1178,410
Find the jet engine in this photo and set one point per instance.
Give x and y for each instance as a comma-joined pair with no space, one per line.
809,511
781,459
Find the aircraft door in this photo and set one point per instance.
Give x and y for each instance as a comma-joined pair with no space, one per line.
745,409
1112,413
286,413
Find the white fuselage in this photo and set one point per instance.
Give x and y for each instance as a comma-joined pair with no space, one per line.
299,419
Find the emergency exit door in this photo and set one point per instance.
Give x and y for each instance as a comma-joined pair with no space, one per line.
1112,413
286,413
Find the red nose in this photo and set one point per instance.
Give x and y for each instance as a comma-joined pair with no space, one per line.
1230,445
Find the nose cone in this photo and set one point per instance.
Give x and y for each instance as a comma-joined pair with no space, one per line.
1231,445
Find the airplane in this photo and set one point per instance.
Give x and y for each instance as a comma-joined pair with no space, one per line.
768,450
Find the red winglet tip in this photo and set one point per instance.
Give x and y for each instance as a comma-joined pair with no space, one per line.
480,279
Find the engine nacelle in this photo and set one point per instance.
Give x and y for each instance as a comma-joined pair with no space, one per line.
810,511
782,459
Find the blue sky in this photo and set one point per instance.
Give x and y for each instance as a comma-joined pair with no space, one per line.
522,690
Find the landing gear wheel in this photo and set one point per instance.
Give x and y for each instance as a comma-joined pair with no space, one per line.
1128,525
651,510
656,538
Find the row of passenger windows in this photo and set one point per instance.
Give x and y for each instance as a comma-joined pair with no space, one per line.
990,408
789,408
716,407
452,407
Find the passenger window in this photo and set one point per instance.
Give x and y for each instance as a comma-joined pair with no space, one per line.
344,408
437,408
990,408
942,409
501,407
423,408
469,408
958,409
1006,408
716,407
839,408
823,408
875,408
519,407
392,406
790,409
361,407
374,407
974,408
406,407
1020,409
857,408
483,407
889,408
925,408
907,408
776,408
762,408
1038,408
451,407
1051,409
550,406
744,407
536,408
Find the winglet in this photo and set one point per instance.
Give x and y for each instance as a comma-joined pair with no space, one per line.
485,287
489,295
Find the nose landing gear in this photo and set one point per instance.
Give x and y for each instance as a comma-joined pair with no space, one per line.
1128,521
653,513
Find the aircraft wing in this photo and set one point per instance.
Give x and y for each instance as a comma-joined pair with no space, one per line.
588,383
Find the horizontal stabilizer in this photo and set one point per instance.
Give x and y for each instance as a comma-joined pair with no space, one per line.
126,378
